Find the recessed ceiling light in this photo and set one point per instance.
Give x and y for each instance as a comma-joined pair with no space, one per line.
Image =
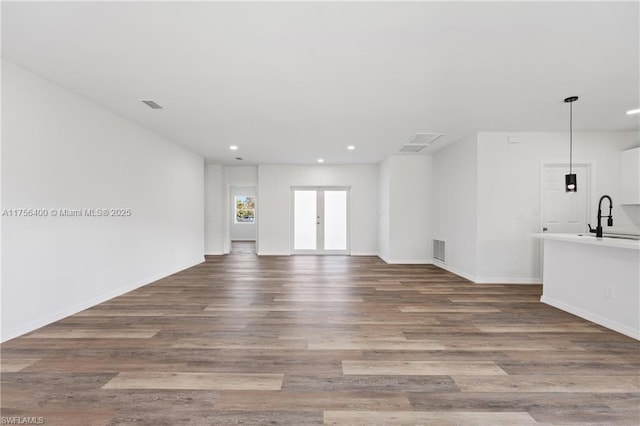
633,111
233,148
320,160
351,147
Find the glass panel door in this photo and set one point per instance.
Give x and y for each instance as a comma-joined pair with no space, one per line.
305,220
335,220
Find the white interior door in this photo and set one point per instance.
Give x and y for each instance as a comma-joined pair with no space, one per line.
564,212
320,220
561,211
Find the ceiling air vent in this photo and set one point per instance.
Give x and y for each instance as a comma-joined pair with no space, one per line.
419,141
151,104
412,148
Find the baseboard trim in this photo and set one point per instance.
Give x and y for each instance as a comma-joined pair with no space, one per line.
508,280
454,271
595,318
406,261
278,253
57,316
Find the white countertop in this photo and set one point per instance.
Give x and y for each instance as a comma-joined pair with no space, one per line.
591,239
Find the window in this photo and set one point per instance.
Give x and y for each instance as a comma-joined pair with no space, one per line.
245,209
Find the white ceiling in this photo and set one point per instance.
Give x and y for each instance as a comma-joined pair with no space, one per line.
291,82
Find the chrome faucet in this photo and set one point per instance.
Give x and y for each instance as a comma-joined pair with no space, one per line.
598,230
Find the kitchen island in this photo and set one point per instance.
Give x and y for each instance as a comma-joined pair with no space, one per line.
597,279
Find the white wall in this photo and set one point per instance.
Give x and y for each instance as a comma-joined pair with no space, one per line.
274,203
214,209
454,205
509,195
60,151
241,231
404,216
241,175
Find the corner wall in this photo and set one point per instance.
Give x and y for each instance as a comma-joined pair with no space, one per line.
455,204
404,209
384,205
60,151
214,210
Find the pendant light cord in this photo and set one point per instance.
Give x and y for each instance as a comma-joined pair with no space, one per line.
570,137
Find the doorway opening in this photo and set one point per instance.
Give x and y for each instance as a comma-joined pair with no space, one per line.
243,212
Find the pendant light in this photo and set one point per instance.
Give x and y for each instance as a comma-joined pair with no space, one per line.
571,183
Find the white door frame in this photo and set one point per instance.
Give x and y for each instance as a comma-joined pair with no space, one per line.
590,173
319,231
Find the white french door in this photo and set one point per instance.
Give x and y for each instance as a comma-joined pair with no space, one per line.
320,220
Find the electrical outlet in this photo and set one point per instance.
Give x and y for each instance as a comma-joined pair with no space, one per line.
609,292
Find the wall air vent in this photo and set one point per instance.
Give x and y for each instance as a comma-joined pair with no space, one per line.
419,141
439,251
151,104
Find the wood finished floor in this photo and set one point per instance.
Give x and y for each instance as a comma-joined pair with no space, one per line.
312,340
